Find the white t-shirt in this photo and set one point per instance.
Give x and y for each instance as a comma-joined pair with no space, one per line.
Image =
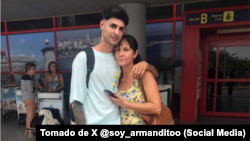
98,108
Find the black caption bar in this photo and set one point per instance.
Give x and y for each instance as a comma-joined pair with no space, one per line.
45,132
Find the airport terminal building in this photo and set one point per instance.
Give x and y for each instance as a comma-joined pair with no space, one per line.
201,48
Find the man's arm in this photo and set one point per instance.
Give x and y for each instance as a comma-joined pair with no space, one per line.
78,88
153,70
140,68
78,112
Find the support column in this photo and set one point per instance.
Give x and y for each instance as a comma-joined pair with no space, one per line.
137,25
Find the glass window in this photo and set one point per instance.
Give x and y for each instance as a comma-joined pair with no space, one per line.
38,78
33,47
214,4
233,97
70,42
30,24
159,49
178,61
234,62
88,19
5,79
78,20
4,55
209,96
211,63
159,12
65,21
179,10
17,78
178,40
2,27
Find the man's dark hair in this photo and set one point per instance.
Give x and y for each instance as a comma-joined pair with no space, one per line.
29,65
115,12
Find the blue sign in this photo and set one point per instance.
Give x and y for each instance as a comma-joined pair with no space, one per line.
218,17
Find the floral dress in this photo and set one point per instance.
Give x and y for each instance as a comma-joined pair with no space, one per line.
133,95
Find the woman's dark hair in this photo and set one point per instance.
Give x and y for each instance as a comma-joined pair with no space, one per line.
133,45
50,63
29,65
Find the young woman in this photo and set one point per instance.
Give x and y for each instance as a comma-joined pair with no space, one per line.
129,96
53,81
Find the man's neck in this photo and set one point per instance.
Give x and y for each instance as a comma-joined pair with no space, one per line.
104,47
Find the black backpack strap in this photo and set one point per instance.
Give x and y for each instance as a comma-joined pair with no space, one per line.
90,63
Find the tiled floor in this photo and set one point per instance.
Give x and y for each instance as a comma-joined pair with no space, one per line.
11,131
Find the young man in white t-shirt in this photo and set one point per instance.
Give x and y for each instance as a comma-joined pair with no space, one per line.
91,105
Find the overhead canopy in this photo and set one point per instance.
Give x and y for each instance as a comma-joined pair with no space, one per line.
33,9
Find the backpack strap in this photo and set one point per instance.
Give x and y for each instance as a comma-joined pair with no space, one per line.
90,63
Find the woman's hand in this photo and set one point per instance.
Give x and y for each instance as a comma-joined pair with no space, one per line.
139,69
50,90
53,90
38,86
119,101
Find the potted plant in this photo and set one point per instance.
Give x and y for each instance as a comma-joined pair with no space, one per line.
165,67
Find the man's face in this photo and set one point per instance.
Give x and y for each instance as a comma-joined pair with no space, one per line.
112,30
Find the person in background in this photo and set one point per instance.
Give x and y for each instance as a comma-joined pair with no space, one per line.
28,89
54,81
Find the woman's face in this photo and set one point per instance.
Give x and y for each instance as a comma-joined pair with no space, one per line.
124,55
53,67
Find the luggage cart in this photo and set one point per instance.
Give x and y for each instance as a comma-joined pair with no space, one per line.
8,102
51,100
21,110
48,100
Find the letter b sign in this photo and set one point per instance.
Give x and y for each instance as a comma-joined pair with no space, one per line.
203,18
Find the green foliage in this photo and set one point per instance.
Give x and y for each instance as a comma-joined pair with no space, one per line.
230,60
165,67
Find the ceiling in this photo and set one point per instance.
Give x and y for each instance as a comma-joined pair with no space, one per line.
32,9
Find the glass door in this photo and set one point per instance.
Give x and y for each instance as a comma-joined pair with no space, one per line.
228,78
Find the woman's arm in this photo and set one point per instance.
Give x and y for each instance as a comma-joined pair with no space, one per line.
153,104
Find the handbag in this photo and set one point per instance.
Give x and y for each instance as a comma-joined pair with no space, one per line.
164,118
